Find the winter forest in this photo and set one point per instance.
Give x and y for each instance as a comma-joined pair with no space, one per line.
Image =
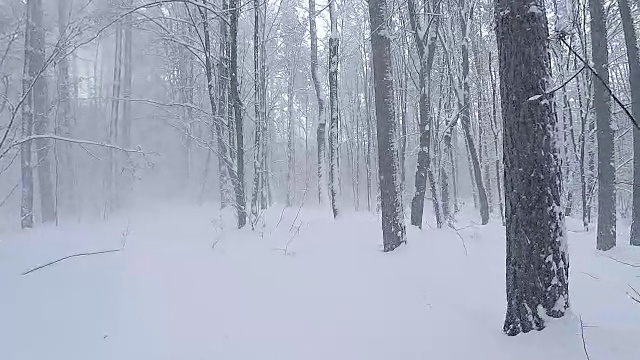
314,179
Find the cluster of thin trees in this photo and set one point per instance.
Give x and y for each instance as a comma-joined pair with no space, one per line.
527,108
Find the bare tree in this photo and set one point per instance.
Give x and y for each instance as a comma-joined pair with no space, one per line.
393,228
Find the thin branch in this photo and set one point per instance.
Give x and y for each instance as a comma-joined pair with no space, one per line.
584,343
619,261
66,139
615,98
69,257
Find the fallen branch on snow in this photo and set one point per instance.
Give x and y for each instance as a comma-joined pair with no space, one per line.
619,261
69,257
125,235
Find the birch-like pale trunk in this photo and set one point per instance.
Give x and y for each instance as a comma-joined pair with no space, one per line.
320,132
333,110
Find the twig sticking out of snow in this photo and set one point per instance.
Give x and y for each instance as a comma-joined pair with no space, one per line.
285,250
584,343
460,236
636,299
69,257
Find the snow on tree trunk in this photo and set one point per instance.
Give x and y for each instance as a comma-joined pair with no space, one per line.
393,229
426,50
633,56
237,107
465,118
258,149
333,109
537,266
320,132
222,109
291,162
494,130
606,238
26,206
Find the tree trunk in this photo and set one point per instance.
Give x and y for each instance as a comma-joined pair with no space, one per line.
26,206
393,229
259,126
320,133
606,238
223,110
426,51
537,267
633,57
494,130
333,110
237,107
65,192
41,111
291,164
465,121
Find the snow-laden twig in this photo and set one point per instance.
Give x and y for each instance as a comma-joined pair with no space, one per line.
18,142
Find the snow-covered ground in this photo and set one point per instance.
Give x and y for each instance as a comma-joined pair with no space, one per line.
304,286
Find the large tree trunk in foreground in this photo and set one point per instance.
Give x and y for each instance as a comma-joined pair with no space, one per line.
602,101
393,229
537,267
633,56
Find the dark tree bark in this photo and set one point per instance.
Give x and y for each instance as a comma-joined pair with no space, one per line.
237,107
537,266
633,57
606,238
393,229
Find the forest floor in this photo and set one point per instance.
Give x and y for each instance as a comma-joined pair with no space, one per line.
188,285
